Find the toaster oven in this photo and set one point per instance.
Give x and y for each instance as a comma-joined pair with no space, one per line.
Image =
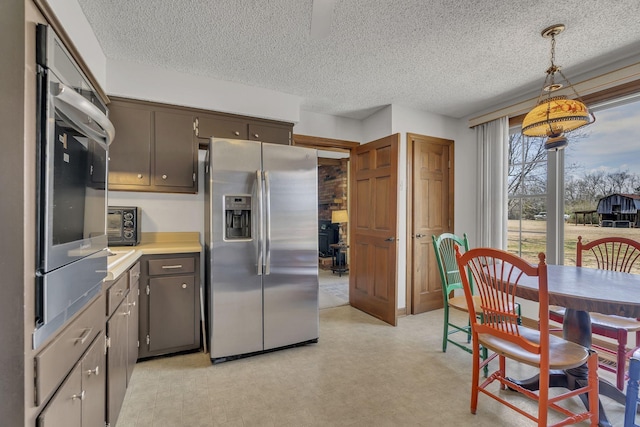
123,225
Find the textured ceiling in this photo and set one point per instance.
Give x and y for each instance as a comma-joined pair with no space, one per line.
451,57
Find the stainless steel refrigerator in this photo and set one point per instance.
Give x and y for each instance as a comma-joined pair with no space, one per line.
261,247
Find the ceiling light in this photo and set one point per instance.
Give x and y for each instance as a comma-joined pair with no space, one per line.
555,115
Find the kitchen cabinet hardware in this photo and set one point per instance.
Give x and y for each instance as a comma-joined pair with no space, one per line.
83,338
184,286
164,176
94,371
139,176
236,133
171,267
78,396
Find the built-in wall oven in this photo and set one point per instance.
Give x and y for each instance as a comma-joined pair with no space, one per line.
73,133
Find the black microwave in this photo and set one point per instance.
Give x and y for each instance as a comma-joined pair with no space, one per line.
123,225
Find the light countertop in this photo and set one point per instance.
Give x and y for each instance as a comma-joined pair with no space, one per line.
151,243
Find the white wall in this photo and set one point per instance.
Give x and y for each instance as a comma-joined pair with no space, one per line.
76,25
377,125
327,126
167,212
148,83
466,167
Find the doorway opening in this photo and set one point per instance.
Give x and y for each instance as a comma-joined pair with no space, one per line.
333,217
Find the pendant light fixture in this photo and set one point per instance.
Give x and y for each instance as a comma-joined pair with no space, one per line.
554,116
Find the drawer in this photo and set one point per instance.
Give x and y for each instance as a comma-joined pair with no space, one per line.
65,409
55,361
116,293
171,266
134,275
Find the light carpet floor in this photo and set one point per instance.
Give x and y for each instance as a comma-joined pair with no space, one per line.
333,289
362,372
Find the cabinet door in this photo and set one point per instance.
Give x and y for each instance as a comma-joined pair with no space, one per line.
93,384
65,407
116,361
176,153
130,151
270,133
221,127
172,312
132,328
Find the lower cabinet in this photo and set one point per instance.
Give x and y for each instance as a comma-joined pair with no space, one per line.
122,339
117,358
134,315
169,304
80,399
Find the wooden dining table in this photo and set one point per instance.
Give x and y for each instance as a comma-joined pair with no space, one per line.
582,290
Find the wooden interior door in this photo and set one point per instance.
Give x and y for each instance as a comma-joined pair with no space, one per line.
374,174
432,214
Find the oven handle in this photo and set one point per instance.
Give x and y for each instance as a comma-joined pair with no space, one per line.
74,106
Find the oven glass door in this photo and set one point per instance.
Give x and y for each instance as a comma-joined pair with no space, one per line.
75,197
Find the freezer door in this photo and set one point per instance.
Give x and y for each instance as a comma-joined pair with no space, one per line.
290,281
233,284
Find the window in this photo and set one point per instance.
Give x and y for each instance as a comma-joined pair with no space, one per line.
601,162
527,189
556,207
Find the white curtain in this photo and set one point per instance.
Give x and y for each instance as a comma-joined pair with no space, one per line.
493,163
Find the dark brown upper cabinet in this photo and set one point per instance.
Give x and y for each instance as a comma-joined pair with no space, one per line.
154,149
130,151
270,133
156,145
238,127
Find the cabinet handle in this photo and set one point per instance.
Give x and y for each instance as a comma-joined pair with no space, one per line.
164,176
82,338
94,371
136,275
78,396
132,304
139,176
120,292
184,286
255,135
171,267
236,133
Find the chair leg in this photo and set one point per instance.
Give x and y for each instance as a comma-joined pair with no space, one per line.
485,354
592,376
445,334
475,377
621,359
503,370
543,400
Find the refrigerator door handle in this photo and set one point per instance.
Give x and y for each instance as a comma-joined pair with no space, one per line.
267,262
259,262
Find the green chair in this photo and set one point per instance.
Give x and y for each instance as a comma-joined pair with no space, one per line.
444,247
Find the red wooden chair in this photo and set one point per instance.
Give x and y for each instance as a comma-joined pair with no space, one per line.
496,275
615,254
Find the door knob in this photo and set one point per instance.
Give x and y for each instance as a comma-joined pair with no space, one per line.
420,236
390,239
